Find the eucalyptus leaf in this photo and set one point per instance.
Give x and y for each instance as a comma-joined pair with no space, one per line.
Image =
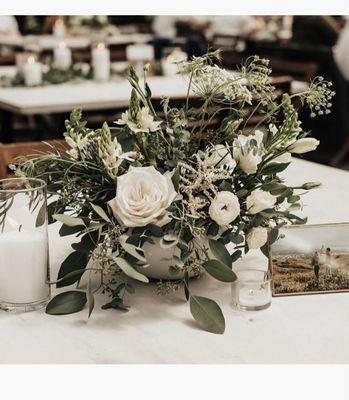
219,250
99,210
68,220
136,252
74,262
236,255
129,270
208,314
175,179
219,270
67,303
90,297
41,217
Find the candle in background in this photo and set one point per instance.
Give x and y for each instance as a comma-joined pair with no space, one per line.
23,267
32,72
21,60
62,56
139,55
168,64
101,63
59,28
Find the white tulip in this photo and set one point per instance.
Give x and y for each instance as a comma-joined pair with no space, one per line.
221,156
283,158
245,154
257,237
258,201
142,196
304,145
225,208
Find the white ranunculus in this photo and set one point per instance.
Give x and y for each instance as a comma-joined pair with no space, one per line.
259,200
142,196
304,145
144,121
283,158
245,154
220,156
225,208
257,237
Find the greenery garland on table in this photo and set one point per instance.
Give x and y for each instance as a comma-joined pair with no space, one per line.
175,181
52,76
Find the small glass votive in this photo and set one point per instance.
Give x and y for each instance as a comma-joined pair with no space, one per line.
24,259
252,290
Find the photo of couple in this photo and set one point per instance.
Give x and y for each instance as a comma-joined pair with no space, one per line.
311,259
322,258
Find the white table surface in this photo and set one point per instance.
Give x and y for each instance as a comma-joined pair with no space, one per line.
49,42
89,95
302,329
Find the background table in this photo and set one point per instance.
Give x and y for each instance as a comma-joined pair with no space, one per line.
309,329
89,95
49,42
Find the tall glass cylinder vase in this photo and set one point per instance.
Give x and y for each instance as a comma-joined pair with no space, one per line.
24,258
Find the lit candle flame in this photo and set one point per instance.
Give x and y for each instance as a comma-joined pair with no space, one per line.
31,60
100,46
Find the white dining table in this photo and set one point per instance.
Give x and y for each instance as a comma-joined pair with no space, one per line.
49,42
301,329
88,94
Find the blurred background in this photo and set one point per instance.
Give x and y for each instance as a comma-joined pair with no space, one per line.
51,64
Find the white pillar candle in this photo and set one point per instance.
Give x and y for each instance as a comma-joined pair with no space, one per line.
139,55
62,56
32,72
23,267
59,28
169,64
101,63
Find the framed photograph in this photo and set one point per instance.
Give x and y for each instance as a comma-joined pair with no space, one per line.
310,259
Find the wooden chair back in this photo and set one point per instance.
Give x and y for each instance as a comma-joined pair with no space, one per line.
12,150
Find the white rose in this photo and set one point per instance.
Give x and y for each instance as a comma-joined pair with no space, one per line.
142,196
283,158
224,208
220,156
247,156
304,145
259,200
257,237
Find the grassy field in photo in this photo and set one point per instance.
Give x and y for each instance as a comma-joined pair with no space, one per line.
295,274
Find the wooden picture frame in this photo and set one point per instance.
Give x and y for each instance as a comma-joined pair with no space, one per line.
336,235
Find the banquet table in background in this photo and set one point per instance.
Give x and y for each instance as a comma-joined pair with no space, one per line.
302,329
49,42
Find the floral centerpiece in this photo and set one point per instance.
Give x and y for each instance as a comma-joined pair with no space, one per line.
173,181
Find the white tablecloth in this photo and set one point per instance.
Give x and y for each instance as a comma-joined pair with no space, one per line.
89,95
309,329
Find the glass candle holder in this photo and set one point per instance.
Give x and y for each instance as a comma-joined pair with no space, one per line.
24,258
251,291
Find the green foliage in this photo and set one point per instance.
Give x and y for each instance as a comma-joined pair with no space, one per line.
219,271
208,314
219,250
67,303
